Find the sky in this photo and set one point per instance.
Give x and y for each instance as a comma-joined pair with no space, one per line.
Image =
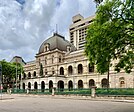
25,24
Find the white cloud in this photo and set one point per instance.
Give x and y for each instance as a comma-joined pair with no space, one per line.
24,27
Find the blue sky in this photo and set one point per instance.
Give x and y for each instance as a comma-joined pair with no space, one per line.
24,25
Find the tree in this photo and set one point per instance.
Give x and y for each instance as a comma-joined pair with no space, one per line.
111,36
9,72
98,2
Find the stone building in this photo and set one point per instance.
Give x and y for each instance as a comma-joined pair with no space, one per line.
63,64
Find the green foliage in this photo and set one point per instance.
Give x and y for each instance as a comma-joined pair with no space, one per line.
111,36
115,91
9,71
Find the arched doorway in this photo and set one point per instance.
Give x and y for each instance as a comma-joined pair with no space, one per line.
29,85
91,83
23,86
80,84
80,69
70,85
36,85
50,86
70,70
61,71
42,86
104,83
60,85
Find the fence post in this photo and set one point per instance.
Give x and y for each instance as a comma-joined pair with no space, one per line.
53,91
93,91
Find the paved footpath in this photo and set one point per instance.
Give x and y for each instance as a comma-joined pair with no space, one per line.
48,103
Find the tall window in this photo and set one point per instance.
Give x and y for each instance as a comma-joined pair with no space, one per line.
46,48
29,75
34,74
59,59
61,71
24,76
80,69
70,70
91,68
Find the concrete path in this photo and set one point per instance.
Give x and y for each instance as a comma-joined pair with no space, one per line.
47,103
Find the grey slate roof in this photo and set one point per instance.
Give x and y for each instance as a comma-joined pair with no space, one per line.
56,42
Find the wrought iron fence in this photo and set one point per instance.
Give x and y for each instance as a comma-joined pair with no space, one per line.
99,91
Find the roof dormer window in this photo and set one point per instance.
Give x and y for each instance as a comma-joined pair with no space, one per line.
68,48
46,47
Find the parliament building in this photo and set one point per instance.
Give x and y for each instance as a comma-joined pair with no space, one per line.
60,63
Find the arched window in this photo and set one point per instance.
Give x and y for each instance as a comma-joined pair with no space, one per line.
29,75
23,86
60,59
20,77
61,71
80,69
50,85
70,70
42,86
104,83
91,68
122,82
60,85
24,76
34,74
70,85
80,84
45,48
35,85
91,83
29,85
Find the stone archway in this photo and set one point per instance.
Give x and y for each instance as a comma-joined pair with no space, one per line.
60,85
80,84
104,83
91,83
23,86
50,86
29,85
42,86
35,85
70,85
